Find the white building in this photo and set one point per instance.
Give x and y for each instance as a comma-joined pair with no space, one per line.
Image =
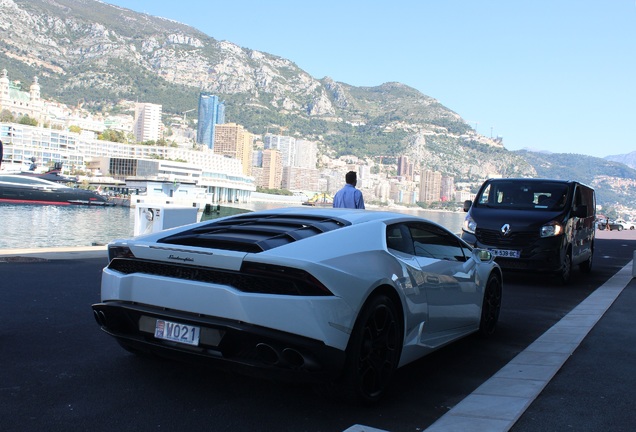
306,154
18,102
147,122
286,145
221,176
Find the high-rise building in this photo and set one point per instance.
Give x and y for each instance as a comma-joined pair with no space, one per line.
211,113
272,173
297,178
306,154
234,141
431,186
286,145
147,125
403,166
448,188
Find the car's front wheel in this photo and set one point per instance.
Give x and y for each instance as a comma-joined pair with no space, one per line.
586,266
491,306
374,349
566,268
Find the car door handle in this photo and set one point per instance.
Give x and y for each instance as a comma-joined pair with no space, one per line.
432,279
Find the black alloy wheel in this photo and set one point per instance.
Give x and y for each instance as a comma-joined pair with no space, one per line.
374,349
491,306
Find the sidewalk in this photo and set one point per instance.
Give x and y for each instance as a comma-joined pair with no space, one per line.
595,390
502,401
15,255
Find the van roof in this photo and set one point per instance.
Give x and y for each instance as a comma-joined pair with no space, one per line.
537,180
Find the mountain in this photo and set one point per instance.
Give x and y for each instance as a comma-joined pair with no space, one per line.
91,53
628,159
96,53
614,182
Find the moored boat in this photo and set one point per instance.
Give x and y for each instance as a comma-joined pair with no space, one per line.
53,174
20,189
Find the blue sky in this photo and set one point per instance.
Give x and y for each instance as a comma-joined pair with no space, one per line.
556,75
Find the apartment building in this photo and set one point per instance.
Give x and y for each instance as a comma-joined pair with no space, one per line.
271,174
300,179
430,186
147,125
286,145
233,140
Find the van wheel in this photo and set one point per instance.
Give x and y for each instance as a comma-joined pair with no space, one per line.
566,268
586,266
491,306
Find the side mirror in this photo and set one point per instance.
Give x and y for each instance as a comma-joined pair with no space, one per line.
467,205
483,255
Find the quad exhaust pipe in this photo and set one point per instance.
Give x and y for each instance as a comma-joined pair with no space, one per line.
100,317
288,357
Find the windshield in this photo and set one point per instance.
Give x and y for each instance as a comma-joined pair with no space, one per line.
519,195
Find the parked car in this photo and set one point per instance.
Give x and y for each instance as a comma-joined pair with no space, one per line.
618,225
621,224
319,294
534,225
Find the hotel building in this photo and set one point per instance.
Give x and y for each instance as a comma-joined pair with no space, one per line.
222,176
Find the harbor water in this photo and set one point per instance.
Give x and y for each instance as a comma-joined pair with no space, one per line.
34,226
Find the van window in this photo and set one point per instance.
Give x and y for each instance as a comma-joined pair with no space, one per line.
520,195
584,196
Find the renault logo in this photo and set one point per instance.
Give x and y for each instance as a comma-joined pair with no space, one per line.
505,230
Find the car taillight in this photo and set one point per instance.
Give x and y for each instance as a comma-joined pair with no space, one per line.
119,252
282,280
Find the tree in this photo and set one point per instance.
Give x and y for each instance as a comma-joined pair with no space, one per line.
112,136
6,116
26,120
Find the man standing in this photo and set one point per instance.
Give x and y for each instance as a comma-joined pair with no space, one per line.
349,196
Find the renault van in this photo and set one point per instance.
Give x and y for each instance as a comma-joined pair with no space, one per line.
537,225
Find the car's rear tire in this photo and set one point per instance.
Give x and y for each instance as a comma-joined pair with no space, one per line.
374,350
620,228
491,306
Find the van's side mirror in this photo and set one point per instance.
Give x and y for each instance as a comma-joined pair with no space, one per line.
467,205
580,211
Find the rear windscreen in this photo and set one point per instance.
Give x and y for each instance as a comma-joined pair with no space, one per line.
549,196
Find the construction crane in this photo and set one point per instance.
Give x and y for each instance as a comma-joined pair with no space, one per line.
185,112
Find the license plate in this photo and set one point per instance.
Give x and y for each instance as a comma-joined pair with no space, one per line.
506,253
177,332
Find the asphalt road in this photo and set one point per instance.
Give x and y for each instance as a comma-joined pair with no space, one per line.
59,372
